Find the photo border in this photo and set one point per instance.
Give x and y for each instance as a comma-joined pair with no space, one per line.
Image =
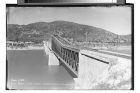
24,2
83,5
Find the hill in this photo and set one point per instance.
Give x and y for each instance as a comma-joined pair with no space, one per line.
74,32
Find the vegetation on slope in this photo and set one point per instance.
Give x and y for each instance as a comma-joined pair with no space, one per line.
37,32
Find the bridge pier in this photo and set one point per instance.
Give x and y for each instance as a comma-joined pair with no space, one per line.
52,59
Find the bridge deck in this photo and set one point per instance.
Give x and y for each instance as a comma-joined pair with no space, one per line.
66,44
62,40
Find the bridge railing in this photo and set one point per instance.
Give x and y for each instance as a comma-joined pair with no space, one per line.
69,55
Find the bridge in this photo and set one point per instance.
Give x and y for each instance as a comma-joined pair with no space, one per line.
84,64
67,54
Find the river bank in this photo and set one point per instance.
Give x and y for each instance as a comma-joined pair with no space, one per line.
26,48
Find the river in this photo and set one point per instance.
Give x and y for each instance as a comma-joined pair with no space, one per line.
28,69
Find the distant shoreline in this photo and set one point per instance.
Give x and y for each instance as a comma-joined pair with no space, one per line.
26,48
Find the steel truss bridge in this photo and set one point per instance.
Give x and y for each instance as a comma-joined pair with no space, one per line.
66,53
81,63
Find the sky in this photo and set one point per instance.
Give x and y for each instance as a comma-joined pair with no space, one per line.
114,19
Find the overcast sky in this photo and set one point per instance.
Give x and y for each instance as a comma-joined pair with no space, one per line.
113,19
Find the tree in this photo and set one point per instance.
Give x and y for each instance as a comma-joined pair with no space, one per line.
17,34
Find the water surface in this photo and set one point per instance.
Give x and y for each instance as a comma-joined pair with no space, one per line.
28,69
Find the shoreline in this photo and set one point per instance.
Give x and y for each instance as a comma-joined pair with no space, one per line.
26,48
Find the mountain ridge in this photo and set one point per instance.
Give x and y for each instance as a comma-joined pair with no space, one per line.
69,30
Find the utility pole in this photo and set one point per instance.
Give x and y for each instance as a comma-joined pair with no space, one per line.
86,35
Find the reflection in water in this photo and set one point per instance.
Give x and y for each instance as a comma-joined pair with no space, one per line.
28,69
